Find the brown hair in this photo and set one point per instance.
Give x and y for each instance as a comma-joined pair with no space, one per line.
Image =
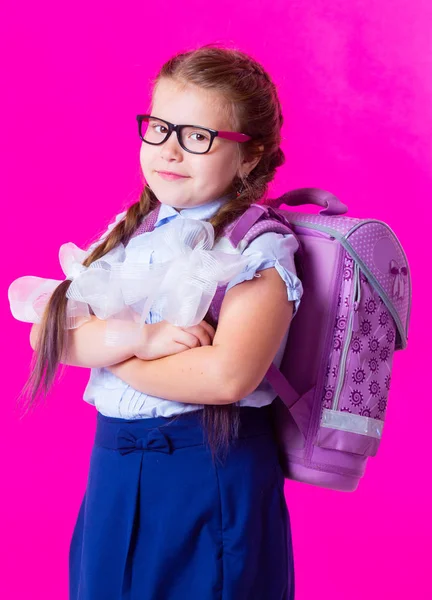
252,104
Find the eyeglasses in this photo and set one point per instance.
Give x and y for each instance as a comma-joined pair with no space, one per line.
191,138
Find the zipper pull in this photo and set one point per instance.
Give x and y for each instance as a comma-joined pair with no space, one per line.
356,324
357,296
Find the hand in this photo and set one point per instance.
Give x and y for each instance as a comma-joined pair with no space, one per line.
163,339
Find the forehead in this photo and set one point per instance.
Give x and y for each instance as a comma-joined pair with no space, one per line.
190,104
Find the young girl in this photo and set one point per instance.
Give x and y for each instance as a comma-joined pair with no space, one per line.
185,494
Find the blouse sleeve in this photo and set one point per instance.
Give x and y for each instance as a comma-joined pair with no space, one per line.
278,251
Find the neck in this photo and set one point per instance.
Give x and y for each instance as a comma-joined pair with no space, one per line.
207,210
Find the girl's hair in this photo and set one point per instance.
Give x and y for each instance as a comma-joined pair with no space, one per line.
251,102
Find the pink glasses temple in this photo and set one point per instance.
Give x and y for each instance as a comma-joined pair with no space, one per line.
233,135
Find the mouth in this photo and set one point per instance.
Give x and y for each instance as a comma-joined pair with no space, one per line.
171,176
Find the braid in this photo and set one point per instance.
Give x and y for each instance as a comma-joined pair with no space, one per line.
124,229
53,336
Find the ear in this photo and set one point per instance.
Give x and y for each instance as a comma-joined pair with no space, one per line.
249,165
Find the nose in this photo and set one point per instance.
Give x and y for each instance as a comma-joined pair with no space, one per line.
171,149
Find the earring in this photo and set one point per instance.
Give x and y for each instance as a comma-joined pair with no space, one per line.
242,188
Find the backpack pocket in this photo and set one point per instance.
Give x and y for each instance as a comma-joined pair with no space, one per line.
358,374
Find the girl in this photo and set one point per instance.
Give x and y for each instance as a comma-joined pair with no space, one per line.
185,498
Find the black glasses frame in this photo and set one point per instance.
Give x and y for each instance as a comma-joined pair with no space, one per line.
229,135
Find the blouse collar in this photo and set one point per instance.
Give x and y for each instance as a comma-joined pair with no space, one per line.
203,212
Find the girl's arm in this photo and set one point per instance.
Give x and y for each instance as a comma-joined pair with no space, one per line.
194,376
86,346
254,318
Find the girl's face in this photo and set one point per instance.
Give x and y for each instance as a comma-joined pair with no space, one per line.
207,176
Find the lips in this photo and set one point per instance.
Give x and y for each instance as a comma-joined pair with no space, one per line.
171,176
171,173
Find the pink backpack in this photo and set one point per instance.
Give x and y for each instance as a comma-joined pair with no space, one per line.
334,378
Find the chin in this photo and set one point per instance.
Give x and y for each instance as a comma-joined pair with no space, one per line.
165,197
170,200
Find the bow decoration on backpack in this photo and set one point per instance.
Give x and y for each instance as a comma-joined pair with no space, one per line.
400,274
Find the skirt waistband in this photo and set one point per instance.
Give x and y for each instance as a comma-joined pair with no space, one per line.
163,434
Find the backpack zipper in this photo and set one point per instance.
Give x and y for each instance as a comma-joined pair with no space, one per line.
353,317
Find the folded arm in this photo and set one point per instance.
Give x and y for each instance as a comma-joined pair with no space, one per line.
86,345
254,318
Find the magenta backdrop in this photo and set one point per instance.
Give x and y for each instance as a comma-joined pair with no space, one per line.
354,80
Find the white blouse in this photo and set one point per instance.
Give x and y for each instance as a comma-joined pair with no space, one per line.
114,398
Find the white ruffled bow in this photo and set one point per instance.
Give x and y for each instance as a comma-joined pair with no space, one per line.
29,295
174,272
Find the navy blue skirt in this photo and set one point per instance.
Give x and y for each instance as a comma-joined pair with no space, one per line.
161,520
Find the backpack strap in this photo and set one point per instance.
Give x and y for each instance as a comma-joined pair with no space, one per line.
238,230
258,219
148,223
281,386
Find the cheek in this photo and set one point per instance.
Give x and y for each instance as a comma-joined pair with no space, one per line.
220,169
143,156
147,159
222,164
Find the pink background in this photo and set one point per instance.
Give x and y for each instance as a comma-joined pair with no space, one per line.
354,80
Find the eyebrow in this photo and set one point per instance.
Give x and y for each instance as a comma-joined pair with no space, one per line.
184,123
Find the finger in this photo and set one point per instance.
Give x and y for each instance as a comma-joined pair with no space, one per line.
201,330
184,336
177,348
201,334
211,330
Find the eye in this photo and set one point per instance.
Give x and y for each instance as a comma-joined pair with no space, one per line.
155,125
201,137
